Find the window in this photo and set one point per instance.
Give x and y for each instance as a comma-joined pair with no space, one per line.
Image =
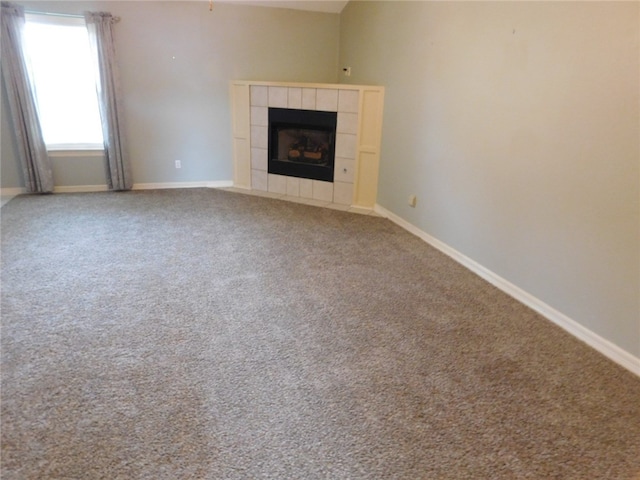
61,66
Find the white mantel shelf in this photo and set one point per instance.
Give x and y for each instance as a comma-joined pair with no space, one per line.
358,136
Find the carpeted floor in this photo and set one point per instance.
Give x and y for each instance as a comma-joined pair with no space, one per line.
202,334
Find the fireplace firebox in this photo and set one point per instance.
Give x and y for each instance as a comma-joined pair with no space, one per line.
302,143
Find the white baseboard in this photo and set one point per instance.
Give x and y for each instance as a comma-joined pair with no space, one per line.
7,194
80,188
154,186
602,345
12,191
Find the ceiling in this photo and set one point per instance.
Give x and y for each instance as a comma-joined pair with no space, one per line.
329,6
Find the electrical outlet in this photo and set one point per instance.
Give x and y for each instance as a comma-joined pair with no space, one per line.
178,164
347,71
413,200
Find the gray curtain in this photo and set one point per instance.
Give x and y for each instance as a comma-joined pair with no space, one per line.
100,26
36,166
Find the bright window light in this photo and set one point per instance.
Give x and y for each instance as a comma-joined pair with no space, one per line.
62,72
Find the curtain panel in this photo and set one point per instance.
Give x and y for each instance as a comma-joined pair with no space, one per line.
100,27
36,166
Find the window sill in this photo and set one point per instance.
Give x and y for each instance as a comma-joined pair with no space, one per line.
88,152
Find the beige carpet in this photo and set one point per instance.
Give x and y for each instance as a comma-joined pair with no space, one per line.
202,334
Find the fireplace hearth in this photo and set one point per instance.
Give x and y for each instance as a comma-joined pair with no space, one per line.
302,143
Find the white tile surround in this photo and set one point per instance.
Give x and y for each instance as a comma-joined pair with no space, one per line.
344,102
356,152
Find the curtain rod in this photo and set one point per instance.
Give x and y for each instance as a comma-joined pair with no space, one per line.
33,12
69,15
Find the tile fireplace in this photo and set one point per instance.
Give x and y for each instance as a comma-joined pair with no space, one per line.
325,145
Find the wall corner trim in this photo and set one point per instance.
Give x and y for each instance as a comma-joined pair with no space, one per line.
602,345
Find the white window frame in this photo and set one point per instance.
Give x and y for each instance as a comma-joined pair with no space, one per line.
59,149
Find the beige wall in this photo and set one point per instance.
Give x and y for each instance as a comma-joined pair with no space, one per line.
517,126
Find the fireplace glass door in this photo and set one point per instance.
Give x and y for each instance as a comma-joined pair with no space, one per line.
302,143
